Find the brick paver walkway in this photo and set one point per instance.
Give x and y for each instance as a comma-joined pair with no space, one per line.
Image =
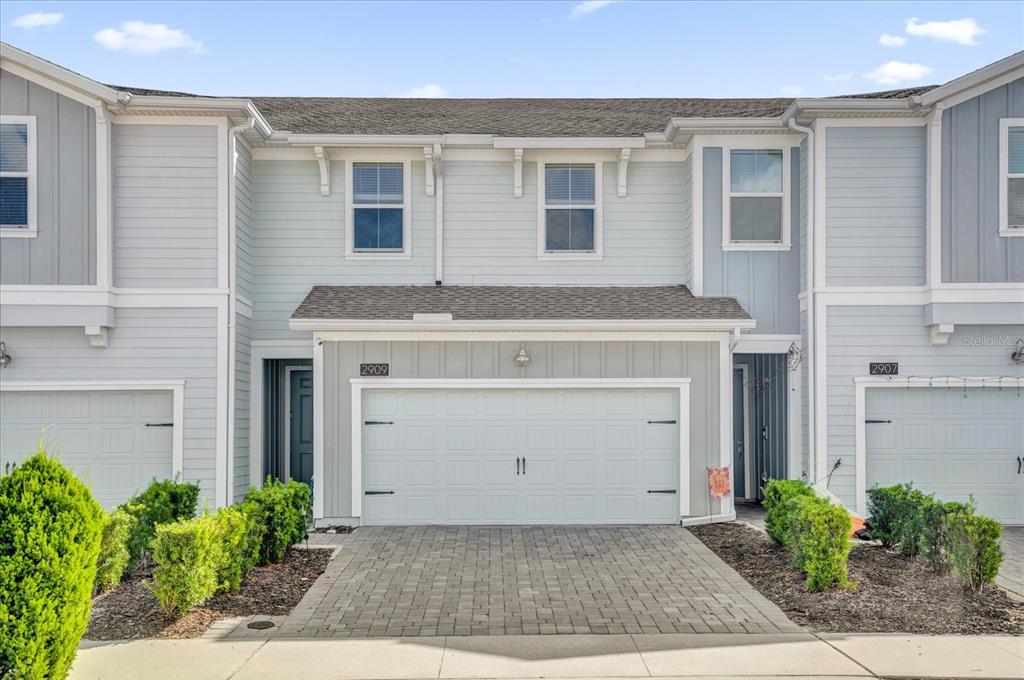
1011,573
426,581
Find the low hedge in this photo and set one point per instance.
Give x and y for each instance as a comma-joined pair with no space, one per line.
971,543
284,509
776,518
162,502
895,513
49,541
114,556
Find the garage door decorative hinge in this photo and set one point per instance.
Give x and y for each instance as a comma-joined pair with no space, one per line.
378,493
159,424
869,421
378,422
671,491
661,422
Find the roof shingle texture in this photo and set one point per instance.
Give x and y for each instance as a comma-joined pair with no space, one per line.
502,303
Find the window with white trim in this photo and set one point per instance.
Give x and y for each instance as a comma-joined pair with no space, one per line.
379,209
756,210
1011,170
17,175
570,210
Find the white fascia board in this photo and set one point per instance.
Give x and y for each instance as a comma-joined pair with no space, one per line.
201,106
521,325
569,143
61,75
748,123
363,140
996,70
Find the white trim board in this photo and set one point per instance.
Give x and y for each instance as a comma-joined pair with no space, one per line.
175,387
345,326
785,196
358,385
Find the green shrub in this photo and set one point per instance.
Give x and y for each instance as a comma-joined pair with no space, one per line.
187,555
776,518
284,510
49,541
113,559
930,528
971,543
895,516
820,540
161,503
239,536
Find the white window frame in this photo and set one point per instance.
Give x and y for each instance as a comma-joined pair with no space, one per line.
1005,230
728,243
30,230
350,228
598,207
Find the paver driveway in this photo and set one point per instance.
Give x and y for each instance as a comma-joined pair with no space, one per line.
425,581
1011,573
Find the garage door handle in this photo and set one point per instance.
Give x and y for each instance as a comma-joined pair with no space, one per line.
159,424
661,422
378,493
517,466
671,491
378,422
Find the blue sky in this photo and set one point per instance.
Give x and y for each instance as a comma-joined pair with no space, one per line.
518,49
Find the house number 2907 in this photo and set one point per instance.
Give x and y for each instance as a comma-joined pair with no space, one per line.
884,368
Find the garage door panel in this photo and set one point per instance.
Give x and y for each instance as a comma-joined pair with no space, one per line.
999,437
419,438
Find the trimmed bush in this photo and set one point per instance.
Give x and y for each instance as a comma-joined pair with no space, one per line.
284,511
114,556
895,515
776,518
49,541
971,543
930,527
240,537
820,540
187,557
161,503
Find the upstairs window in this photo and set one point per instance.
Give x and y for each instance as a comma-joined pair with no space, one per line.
17,176
756,215
379,212
571,210
1011,183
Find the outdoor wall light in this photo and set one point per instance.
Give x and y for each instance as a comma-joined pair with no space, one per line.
1017,355
793,357
5,358
522,358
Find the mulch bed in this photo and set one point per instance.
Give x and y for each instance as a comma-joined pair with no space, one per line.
131,612
333,529
895,594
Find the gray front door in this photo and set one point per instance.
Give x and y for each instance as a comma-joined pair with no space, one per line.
300,436
739,433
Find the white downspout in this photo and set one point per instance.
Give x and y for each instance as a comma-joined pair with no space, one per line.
808,351
438,216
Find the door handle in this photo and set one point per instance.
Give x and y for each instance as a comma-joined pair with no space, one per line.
517,465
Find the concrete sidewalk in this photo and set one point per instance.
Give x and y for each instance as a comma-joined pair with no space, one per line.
793,655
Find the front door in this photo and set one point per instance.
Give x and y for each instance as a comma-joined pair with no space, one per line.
739,435
300,424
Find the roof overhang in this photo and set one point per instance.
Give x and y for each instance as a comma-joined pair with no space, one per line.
562,325
240,109
985,78
58,78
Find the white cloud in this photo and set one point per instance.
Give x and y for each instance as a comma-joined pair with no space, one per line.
962,31
139,37
889,40
37,19
588,6
838,77
897,73
428,91
791,90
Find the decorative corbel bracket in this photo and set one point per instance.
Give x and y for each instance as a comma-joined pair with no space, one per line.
623,168
325,169
517,173
939,333
97,335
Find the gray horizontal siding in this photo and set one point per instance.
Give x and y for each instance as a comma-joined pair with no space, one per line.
698,361
972,249
859,335
165,206
875,206
243,366
64,252
244,242
299,241
765,283
145,344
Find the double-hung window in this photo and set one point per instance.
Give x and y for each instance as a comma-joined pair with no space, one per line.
1011,177
17,176
570,211
756,211
379,210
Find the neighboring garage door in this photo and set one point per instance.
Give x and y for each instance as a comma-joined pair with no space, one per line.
114,441
950,442
531,456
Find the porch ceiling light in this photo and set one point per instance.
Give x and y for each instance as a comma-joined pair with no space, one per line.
793,357
5,358
522,358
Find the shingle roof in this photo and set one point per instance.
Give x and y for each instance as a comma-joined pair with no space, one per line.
503,303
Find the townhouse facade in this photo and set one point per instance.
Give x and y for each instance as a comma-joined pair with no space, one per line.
516,311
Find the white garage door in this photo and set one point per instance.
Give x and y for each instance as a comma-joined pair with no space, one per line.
950,442
114,441
536,456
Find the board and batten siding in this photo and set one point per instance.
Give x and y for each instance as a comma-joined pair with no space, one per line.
64,250
491,237
144,344
695,360
765,283
972,249
299,241
875,206
165,206
860,335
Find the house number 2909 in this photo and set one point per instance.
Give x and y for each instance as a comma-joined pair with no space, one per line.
374,370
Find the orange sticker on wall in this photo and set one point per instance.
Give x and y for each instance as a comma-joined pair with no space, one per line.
718,481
